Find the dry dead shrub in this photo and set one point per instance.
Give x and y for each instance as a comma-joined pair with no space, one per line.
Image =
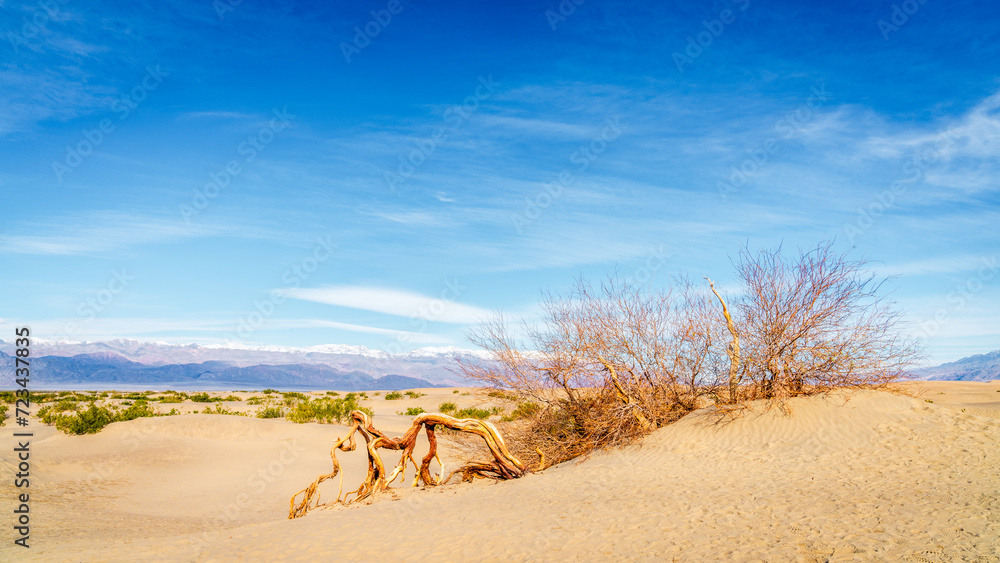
608,364
611,363
814,324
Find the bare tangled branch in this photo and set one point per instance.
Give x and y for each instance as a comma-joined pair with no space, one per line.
504,465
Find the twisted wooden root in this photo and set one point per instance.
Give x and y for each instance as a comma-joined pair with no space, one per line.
503,466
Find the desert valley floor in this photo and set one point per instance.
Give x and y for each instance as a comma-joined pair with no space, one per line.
880,477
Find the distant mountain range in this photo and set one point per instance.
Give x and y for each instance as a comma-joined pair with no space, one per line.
126,362
981,367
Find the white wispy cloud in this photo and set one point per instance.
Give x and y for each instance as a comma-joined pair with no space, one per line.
961,152
392,302
101,232
28,98
410,217
537,127
402,335
939,265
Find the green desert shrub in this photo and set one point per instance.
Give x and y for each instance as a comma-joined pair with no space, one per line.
204,398
473,412
523,410
222,409
326,410
411,411
50,413
255,401
270,412
89,421
3,414
138,410
94,418
447,407
232,398
414,394
395,395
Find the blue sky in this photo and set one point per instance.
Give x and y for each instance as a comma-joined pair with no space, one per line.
386,173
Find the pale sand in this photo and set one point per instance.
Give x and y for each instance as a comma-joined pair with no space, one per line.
882,477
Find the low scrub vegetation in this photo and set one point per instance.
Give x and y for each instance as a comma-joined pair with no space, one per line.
94,418
473,412
222,409
204,398
325,410
527,409
270,412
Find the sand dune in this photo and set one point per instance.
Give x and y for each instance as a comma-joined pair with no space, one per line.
880,477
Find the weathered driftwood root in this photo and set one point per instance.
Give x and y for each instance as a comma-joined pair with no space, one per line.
503,466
